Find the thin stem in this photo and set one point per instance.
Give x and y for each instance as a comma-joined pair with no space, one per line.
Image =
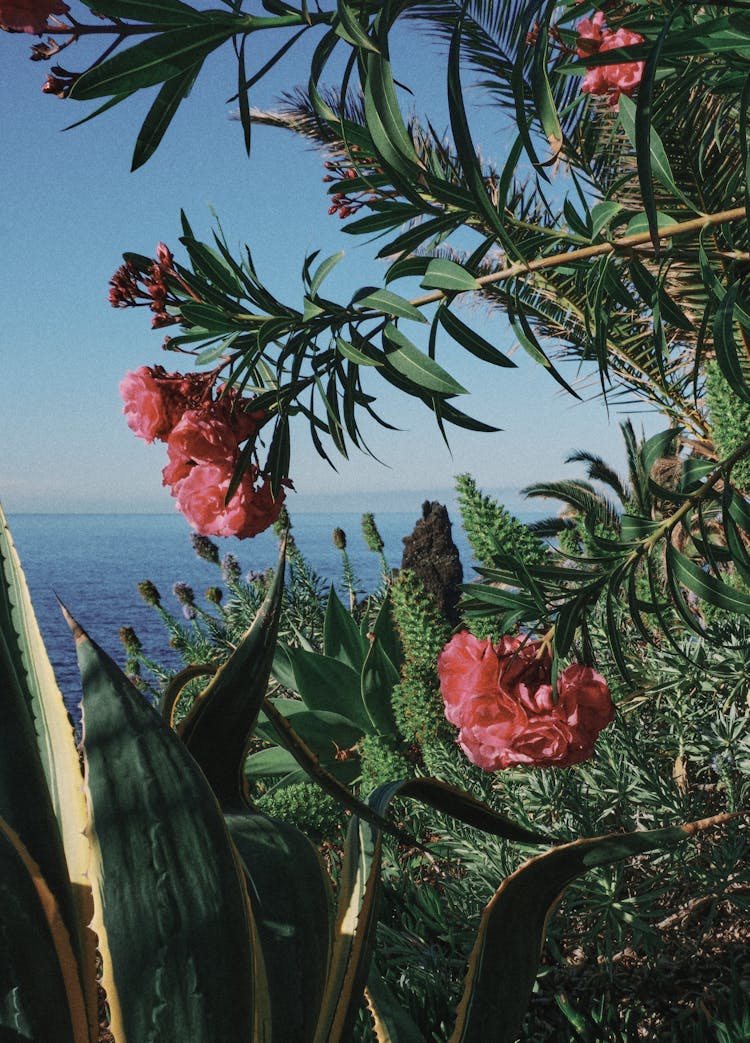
628,242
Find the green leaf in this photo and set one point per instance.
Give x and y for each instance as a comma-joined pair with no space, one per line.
41,798
504,962
388,303
161,113
324,683
706,586
733,364
292,903
383,115
323,731
341,636
221,720
161,860
40,995
416,366
154,12
447,275
171,53
210,264
379,677
350,28
391,1022
347,349
471,340
324,269
601,215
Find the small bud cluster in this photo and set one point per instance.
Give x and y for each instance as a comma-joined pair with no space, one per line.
149,592
342,203
205,548
133,287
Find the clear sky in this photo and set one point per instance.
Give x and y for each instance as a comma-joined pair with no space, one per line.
70,208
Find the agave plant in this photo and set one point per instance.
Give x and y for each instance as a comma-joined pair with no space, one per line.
204,915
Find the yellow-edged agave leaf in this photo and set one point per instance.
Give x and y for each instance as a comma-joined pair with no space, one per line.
504,961
40,990
391,1023
41,784
219,726
173,690
172,911
26,657
359,884
292,901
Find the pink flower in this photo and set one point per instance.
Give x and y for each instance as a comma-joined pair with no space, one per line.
609,81
155,400
29,16
501,699
210,434
201,494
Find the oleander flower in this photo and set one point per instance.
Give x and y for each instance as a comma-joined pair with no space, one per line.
155,400
609,81
211,434
501,699
29,16
201,495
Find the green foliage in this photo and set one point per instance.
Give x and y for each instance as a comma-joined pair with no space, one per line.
382,758
306,806
729,417
492,530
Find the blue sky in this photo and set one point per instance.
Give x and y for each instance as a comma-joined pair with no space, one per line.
71,207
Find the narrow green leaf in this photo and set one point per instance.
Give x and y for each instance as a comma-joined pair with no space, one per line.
706,586
347,349
388,303
471,340
154,12
734,366
447,275
350,28
601,215
324,269
161,113
379,677
155,60
416,366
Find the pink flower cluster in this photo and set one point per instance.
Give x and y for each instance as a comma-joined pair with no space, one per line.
610,81
203,438
29,16
500,697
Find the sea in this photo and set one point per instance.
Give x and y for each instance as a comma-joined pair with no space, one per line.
93,564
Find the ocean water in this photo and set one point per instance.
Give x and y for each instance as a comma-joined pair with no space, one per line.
94,562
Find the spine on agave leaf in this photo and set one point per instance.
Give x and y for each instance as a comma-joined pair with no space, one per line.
172,910
41,784
40,991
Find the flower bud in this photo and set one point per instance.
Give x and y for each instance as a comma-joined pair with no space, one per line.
184,594
214,595
130,640
205,548
339,539
230,568
149,593
373,539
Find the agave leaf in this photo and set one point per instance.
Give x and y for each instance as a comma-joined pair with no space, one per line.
341,637
292,902
40,991
171,908
41,786
219,725
504,962
359,885
391,1022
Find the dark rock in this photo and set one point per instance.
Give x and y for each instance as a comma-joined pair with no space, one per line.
431,554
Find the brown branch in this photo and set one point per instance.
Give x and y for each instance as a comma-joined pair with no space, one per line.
628,242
